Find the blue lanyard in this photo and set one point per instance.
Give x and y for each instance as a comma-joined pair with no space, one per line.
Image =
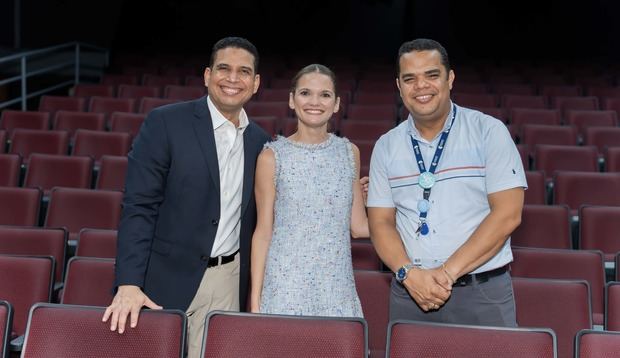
435,161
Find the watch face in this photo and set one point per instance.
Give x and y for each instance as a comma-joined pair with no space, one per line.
400,275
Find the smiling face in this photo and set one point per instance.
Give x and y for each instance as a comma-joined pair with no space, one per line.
425,85
232,80
314,99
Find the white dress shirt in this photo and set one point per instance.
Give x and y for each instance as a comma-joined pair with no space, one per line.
229,147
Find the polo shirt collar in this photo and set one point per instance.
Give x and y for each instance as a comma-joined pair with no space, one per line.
413,131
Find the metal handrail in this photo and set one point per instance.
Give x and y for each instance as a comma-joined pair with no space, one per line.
24,73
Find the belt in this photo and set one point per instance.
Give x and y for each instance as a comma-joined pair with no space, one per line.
480,277
221,260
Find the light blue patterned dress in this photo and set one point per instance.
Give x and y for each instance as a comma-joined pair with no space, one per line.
308,269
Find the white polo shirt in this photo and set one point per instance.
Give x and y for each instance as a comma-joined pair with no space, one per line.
479,158
229,148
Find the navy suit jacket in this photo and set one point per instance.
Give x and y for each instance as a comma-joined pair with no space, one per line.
171,207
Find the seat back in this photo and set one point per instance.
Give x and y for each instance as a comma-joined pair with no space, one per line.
590,118
532,134
364,130
364,256
560,90
72,121
365,147
277,109
536,192
426,339
524,153
136,91
97,143
521,89
27,141
576,188
545,226
602,137
194,81
67,209
11,120
147,104
20,206
561,305
565,103
495,112
58,330
119,79
126,122
25,280
612,306
108,105
10,166
596,344
89,281
226,335
376,84
475,99
112,172
53,104
522,101
46,171
373,289
184,93
598,229
3,137
550,158
271,124
159,80
365,97
612,159
372,112
523,116
564,265
6,324
88,90
97,243
32,241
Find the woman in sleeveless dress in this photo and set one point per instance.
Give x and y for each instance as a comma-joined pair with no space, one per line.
309,202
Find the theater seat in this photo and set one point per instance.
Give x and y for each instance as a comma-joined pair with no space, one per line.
57,330
283,336
439,340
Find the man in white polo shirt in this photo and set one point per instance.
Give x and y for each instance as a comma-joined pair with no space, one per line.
446,190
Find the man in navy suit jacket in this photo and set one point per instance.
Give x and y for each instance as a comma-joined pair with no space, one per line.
189,209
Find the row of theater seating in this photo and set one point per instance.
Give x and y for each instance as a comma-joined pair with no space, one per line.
361,131
593,227
566,304
379,96
46,171
571,188
588,263
70,208
528,126
579,118
67,330
350,76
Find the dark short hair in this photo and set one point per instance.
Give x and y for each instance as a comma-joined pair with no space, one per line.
314,68
235,42
423,45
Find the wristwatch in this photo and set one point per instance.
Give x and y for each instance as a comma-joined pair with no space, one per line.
402,272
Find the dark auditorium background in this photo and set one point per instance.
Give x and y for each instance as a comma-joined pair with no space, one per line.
489,30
